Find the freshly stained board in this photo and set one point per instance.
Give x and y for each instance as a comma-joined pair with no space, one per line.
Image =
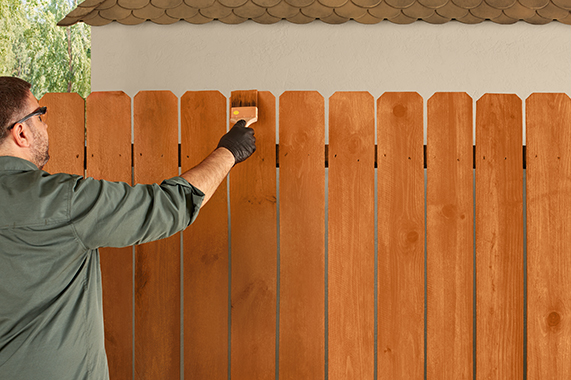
351,263
548,196
449,229
203,122
401,237
66,116
499,237
157,264
302,236
109,158
254,252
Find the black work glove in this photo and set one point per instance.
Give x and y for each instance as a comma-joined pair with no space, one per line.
240,141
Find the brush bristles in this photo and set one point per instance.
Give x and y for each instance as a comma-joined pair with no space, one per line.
244,98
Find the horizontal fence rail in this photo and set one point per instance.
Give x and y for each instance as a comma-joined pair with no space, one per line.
326,156
351,261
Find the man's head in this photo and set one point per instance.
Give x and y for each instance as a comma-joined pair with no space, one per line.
22,135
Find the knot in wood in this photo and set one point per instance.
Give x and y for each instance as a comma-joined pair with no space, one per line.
449,211
553,319
412,236
399,110
209,259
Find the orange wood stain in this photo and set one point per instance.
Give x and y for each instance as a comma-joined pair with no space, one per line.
254,252
548,195
499,237
203,122
400,237
109,158
157,264
302,236
449,237
66,115
351,263
253,193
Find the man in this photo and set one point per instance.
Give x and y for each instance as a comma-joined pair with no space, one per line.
51,320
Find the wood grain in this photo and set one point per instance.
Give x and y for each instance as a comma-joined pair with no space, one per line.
203,122
254,252
109,157
450,232
548,236
499,237
351,263
400,236
66,117
302,236
157,264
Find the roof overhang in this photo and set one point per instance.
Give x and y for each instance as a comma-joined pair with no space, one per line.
132,12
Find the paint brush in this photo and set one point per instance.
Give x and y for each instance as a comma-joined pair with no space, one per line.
244,106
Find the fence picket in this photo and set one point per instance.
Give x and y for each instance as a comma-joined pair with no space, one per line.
351,226
109,158
548,229
400,236
302,236
449,237
157,264
66,113
499,237
254,252
203,122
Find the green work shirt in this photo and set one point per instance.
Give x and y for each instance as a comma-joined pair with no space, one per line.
51,318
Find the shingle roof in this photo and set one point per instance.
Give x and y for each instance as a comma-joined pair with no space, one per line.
132,12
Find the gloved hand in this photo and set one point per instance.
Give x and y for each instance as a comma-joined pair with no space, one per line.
240,141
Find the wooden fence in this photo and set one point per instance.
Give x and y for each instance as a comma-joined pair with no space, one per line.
310,295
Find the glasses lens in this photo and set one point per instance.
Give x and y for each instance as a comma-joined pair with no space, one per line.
44,113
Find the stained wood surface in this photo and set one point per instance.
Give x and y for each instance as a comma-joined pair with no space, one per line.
254,252
157,264
351,255
499,237
499,229
109,158
548,195
449,237
400,236
66,116
203,122
302,236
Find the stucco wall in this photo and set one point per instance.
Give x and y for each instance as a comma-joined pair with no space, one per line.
421,57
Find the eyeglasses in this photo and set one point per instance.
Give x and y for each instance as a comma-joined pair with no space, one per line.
39,112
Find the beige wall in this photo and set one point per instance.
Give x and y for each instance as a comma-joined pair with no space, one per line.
421,57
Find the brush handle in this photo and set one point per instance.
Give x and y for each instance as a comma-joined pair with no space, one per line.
251,121
248,114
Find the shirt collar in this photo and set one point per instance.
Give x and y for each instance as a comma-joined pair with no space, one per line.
16,163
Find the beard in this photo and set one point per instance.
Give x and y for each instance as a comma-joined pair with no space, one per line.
40,151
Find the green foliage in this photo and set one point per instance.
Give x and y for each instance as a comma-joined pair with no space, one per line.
34,48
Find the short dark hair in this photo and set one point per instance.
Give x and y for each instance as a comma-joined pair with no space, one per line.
13,94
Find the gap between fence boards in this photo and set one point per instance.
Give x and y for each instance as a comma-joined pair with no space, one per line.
326,156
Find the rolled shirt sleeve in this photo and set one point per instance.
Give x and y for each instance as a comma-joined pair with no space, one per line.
115,214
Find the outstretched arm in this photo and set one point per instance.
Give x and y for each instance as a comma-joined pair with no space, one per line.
208,175
234,147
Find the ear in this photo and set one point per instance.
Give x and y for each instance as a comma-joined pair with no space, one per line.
22,135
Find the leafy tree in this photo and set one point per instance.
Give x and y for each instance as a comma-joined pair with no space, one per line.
12,21
32,47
